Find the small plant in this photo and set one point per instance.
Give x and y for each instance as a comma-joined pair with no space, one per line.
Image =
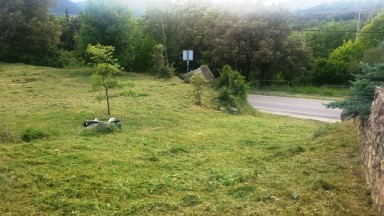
199,82
242,191
31,134
5,136
190,200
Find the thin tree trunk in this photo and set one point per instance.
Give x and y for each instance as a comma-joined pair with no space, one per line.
106,94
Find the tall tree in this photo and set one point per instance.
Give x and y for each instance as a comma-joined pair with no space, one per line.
28,33
70,27
296,59
109,23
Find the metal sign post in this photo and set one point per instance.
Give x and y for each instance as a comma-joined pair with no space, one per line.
187,56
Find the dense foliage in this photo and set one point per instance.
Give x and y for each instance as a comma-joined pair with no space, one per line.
28,33
232,87
108,23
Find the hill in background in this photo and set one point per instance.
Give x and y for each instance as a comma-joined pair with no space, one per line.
138,8
303,7
61,5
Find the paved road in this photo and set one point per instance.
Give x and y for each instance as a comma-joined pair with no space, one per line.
296,107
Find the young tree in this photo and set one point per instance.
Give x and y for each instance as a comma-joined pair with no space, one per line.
105,68
159,66
199,82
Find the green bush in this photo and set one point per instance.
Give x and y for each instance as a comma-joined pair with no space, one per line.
69,60
166,72
199,82
231,87
330,72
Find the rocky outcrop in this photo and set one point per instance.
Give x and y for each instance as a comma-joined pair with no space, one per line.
371,134
204,70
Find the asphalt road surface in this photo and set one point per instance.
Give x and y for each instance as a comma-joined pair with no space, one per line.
295,107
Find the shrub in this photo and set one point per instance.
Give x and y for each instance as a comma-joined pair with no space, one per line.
232,87
166,72
69,60
199,82
330,72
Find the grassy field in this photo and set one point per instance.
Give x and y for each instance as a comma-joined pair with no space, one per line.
170,158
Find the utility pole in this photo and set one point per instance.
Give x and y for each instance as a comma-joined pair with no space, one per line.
358,25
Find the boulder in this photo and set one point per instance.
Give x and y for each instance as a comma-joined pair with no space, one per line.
204,70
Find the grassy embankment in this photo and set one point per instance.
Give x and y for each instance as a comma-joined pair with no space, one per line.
170,158
312,92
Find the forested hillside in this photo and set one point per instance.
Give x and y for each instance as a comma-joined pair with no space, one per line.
316,46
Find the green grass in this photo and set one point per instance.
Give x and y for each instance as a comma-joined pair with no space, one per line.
325,92
171,157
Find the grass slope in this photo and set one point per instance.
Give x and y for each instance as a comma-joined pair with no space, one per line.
171,156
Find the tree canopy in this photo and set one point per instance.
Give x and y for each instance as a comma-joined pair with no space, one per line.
28,32
109,23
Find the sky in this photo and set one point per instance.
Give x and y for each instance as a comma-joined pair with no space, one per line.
293,4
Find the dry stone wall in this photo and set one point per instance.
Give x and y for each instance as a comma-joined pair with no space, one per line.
371,134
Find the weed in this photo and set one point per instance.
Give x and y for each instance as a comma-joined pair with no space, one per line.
31,134
175,151
190,200
325,185
6,136
289,152
153,159
242,191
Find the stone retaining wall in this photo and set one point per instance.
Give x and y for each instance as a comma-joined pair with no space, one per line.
371,135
